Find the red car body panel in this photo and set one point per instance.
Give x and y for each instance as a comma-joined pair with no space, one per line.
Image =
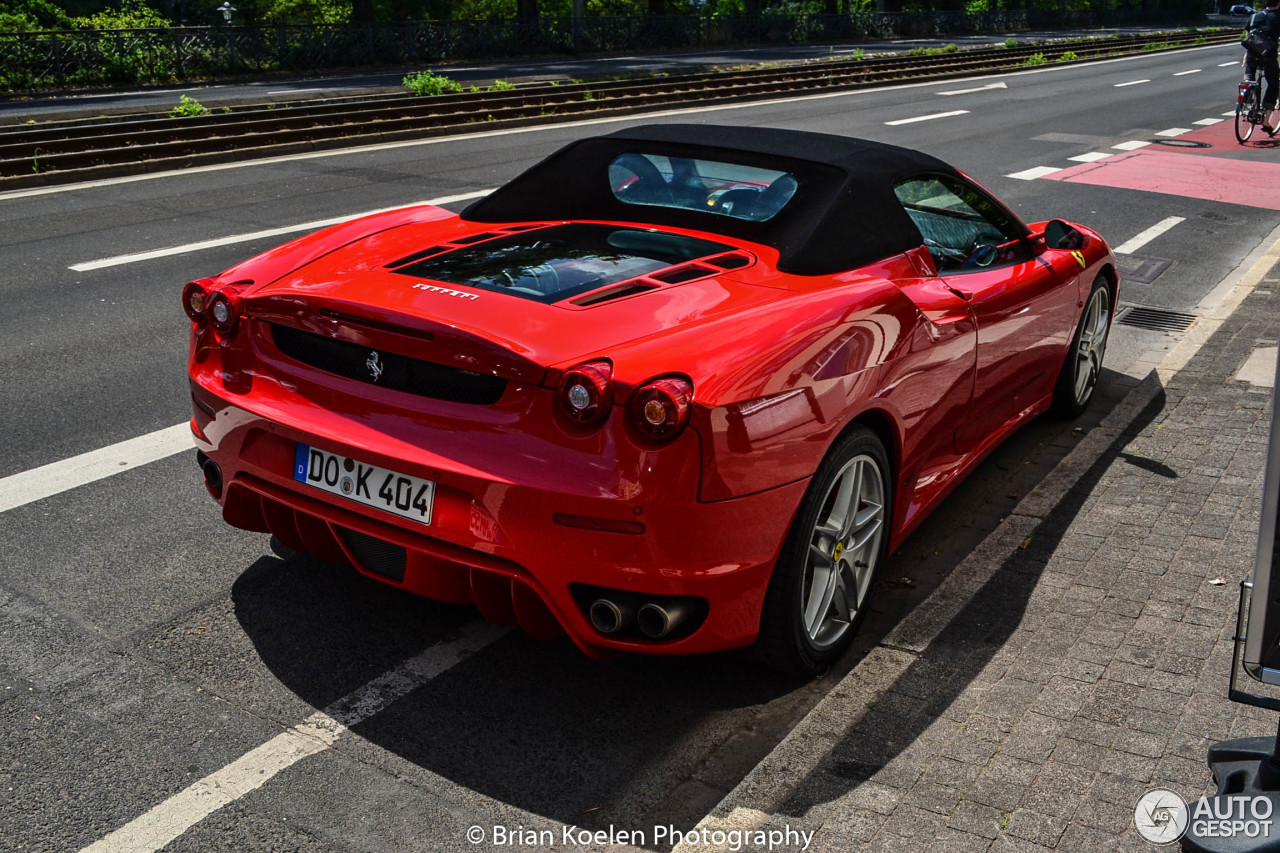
529,504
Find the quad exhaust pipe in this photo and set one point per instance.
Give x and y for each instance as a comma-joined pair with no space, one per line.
609,615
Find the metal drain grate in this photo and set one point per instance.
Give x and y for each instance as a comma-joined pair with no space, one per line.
374,555
1155,319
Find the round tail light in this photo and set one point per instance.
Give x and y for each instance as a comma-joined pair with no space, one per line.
660,409
586,392
195,300
222,310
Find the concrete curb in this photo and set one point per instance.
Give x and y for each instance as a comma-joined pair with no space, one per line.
771,782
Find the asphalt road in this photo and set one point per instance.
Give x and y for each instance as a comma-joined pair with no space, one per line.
145,645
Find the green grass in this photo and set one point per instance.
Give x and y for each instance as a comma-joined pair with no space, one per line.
1035,59
426,83
188,106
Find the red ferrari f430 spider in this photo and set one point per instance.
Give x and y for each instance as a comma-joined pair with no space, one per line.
676,389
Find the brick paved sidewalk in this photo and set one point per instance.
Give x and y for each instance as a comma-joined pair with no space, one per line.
1093,665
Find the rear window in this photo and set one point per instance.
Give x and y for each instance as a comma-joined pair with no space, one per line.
561,261
728,189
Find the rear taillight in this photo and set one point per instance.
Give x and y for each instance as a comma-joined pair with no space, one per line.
224,311
195,299
660,408
586,392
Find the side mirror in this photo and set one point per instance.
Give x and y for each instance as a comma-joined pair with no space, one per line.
1060,235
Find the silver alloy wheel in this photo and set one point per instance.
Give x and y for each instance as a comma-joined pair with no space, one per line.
843,550
1092,345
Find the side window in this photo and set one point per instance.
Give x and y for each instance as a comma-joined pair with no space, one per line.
961,227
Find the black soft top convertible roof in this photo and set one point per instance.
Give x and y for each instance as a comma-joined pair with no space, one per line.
844,213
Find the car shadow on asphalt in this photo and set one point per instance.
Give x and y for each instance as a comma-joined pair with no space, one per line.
531,724
540,727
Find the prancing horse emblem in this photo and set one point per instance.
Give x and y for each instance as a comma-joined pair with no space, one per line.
374,363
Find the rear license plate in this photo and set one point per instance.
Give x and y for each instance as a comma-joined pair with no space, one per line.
399,494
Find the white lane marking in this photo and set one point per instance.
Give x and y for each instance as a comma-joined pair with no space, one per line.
1130,83
292,91
1208,122
978,89
314,225
38,483
1185,73
1227,64
176,815
1091,157
1131,145
1032,174
1052,68
930,117
1136,243
1174,131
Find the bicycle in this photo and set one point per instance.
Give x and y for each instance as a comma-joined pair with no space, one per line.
1249,111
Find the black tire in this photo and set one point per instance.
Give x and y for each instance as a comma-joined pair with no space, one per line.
1244,117
1083,363
798,633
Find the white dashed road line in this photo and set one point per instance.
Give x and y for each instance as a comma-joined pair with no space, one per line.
988,87
258,235
1227,64
169,820
1174,131
1130,83
897,122
1091,157
1208,122
1033,174
47,480
1185,73
1136,243
1131,145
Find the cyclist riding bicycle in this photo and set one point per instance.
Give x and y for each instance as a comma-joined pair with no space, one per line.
1266,23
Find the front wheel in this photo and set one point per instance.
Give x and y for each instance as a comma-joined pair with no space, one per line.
1244,117
821,587
1083,365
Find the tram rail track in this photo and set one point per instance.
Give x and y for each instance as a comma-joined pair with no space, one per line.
63,151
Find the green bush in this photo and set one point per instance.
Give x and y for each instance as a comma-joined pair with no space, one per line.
188,106
1068,56
1011,42
1034,59
426,83
502,86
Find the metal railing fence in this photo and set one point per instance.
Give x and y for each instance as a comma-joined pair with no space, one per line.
32,61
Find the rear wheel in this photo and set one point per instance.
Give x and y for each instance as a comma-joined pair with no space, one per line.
821,587
1244,116
1084,360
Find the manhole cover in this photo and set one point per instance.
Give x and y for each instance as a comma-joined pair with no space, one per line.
1183,143
1141,270
1155,319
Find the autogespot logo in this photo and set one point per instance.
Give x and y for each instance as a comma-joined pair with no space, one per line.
1161,816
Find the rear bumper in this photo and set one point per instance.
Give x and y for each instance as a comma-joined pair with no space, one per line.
494,541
